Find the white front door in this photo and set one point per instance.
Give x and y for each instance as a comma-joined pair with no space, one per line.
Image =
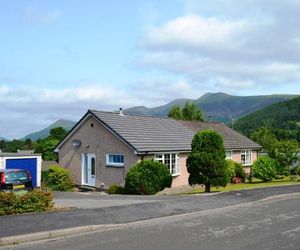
89,169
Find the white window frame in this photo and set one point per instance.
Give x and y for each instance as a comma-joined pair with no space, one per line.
162,158
248,157
114,164
228,154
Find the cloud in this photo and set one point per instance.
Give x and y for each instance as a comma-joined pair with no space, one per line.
252,44
28,109
34,15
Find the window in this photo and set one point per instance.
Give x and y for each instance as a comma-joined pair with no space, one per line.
115,160
228,154
246,157
171,161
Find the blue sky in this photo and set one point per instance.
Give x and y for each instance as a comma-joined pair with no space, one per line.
59,58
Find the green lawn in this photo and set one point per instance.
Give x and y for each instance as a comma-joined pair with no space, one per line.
247,185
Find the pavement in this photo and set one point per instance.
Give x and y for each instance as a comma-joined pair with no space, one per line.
95,211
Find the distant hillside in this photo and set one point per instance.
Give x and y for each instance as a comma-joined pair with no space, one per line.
3,139
66,124
283,118
220,106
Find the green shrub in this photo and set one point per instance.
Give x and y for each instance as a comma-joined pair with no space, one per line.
33,201
230,168
57,179
115,189
295,171
147,177
264,168
239,171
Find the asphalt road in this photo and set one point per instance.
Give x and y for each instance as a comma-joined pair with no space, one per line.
268,224
142,208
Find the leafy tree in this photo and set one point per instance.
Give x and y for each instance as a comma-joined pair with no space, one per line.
206,163
265,138
47,145
189,112
175,113
58,133
286,152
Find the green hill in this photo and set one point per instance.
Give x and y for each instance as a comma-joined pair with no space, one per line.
66,124
220,106
283,118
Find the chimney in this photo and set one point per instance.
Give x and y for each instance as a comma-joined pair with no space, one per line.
121,111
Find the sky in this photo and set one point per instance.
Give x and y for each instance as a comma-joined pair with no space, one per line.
59,58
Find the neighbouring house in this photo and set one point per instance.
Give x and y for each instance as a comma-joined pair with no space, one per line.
100,149
25,160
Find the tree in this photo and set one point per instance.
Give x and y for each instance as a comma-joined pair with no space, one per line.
175,113
58,133
47,145
189,112
286,152
206,163
264,137
264,168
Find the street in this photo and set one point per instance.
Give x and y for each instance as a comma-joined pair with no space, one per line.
272,223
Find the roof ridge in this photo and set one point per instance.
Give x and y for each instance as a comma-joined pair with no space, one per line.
126,114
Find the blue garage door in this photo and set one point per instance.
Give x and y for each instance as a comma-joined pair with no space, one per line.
26,164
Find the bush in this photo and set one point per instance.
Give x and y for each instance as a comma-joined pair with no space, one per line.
295,171
33,201
264,168
239,171
57,179
115,189
230,168
147,177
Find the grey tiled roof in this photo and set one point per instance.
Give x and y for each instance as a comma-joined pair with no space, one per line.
148,133
157,134
231,138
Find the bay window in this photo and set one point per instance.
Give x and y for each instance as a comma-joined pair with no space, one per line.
170,160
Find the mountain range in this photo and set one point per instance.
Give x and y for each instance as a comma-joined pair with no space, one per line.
66,124
220,106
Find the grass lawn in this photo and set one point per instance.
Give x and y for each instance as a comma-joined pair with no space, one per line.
247,185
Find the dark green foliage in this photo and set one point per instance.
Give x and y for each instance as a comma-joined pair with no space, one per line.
175,113
206,163
239,171
57,179
286,152
190,112
115,189
230,168
15,145
281,118
33,201
47,145
264,168
147,177
295,171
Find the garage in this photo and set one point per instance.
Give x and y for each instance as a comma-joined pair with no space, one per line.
29,162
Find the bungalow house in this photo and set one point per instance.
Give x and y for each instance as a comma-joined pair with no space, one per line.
100,149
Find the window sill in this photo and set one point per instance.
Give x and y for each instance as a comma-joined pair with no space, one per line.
114,166
174,175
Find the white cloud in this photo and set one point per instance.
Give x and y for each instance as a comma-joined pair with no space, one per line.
193,31
252,44
27,109
34,15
